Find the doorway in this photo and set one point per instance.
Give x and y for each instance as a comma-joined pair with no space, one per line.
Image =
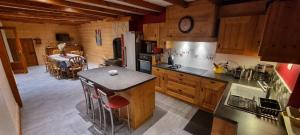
28,50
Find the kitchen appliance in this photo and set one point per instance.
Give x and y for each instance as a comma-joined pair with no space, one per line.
150,47
238,72
145,63
131,46
171,60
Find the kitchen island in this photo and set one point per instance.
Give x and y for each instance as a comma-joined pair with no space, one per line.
138,88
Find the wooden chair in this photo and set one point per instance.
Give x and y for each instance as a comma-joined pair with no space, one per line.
76,64
56,51
55,70
46,62
80,53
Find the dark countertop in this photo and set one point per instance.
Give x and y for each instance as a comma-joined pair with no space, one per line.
247,124
124,80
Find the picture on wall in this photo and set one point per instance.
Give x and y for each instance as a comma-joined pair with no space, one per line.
98,37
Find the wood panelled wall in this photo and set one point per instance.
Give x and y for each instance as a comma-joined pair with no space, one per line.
46,32
9,112
204,15
109,31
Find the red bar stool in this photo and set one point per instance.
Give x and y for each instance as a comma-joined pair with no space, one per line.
110,103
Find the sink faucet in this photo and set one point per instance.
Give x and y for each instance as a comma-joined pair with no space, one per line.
265,87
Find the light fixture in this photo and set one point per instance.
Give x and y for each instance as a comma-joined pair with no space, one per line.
289,67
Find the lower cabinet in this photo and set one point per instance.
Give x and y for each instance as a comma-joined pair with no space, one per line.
205,93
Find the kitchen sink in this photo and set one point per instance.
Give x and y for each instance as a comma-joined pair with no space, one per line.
244,97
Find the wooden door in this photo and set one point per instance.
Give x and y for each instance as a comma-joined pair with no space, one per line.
237,35
281,35
19,65
29,51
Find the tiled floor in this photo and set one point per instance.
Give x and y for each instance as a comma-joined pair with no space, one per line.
49,107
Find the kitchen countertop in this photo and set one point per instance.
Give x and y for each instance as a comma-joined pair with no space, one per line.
247,123
124,80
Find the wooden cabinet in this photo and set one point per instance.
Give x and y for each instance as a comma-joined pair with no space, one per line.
151,31
210,93
182,86
205,93
240,35
222,127
160,80
281,35
155,32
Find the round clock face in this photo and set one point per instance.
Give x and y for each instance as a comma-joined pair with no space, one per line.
186,24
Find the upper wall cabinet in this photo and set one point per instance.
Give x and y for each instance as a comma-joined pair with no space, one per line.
151,31
203,14
240,35
155,32
281,38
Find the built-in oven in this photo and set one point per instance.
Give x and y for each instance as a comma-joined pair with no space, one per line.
145,63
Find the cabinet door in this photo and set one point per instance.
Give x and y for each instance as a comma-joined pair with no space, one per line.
210,98
162,35
238,35
151,31
159,81
281,35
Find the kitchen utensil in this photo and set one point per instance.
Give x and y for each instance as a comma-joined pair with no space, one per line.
238,72
218,69
268,108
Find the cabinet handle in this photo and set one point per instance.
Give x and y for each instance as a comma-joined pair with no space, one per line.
181,74
219,45
180,79
212,82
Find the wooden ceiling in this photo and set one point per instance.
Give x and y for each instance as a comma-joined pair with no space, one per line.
79,11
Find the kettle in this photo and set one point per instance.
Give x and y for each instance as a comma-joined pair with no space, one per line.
170,60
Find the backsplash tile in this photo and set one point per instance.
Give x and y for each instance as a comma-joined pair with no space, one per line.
279,91
192,54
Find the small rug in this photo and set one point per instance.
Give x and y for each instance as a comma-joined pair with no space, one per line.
121,129
200,124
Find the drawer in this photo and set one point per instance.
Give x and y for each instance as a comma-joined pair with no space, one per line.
183,79
181,89
212,84
180,96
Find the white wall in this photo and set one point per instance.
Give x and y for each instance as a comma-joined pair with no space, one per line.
9,110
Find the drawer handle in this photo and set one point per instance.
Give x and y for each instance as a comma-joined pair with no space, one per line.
180,79
212,82
181,74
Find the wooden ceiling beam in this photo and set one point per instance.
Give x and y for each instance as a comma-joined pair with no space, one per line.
30,20
43,18
45,14
117,6
62,9
181,3
85,7
22,8
144,4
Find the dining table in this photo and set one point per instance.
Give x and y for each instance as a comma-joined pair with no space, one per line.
63,60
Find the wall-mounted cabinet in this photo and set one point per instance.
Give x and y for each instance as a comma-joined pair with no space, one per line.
240,35
155,32
281,35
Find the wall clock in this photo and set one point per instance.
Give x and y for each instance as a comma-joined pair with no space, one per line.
186,24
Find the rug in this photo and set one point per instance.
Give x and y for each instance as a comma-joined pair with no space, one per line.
200,124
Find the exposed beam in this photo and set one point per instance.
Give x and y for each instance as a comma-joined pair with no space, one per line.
38,20
84,7
62,9
42,18
116,6
144,4
26,8
178,2
8,10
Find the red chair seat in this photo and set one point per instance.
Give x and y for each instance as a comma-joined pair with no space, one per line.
116,102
